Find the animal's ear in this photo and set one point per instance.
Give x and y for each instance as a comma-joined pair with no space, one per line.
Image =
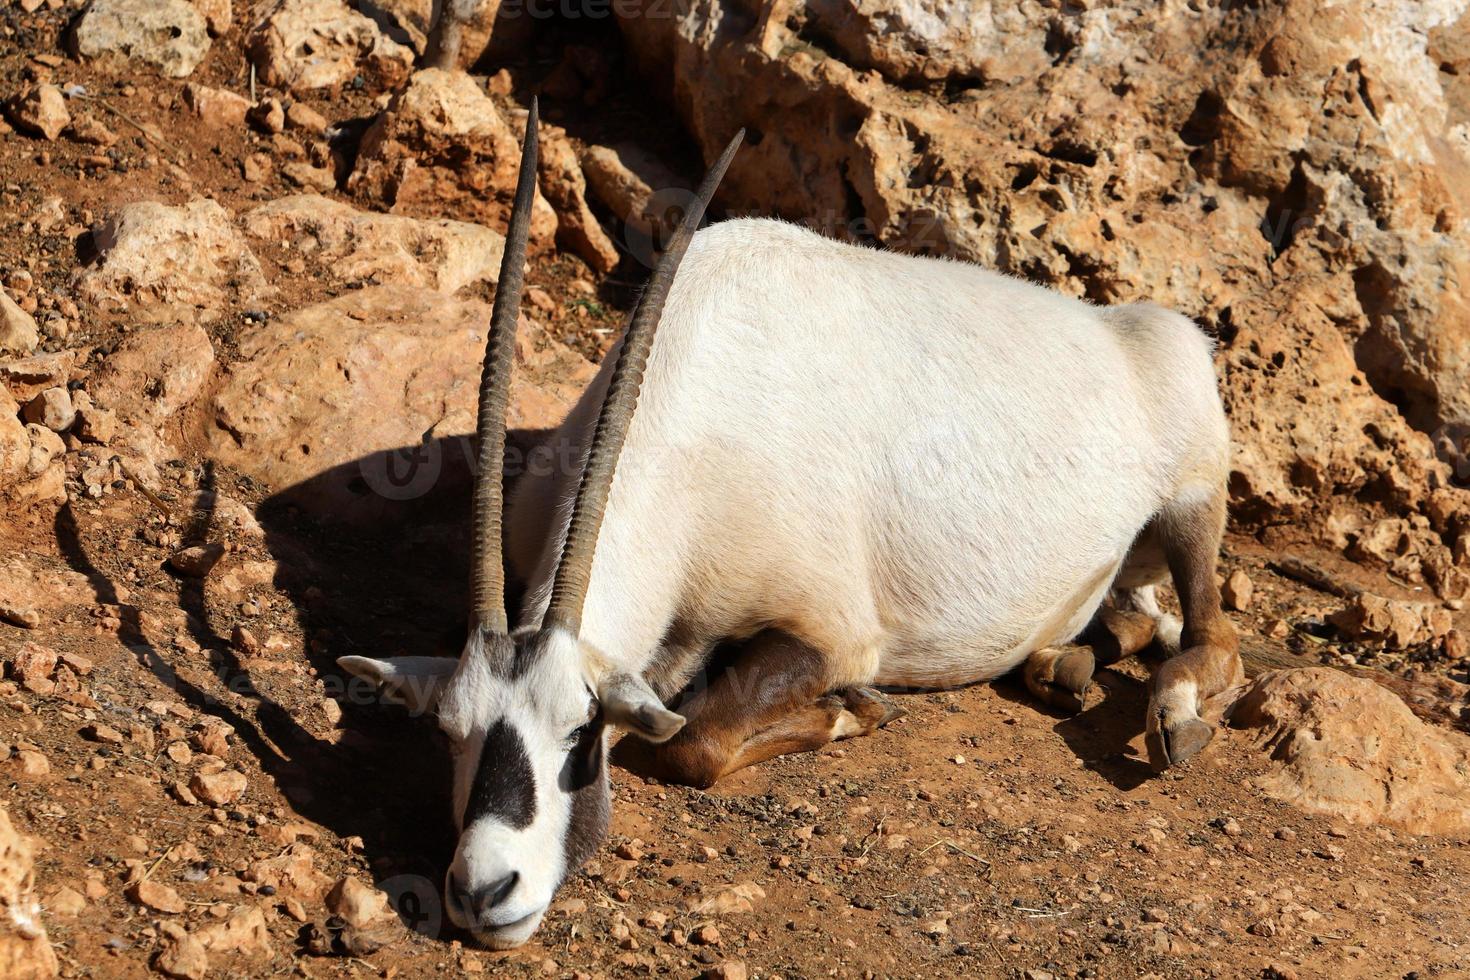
630,703
411,681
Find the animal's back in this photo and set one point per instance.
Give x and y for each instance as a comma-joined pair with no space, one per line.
917,464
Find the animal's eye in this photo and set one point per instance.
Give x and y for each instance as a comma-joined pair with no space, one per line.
581,731
577,734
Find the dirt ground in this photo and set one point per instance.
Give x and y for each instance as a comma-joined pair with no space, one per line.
982,835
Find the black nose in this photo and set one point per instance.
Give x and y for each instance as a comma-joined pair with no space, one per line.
482,901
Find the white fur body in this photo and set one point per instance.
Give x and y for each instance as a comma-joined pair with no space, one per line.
925,469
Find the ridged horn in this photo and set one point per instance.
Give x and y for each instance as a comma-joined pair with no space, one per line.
569,591
487,571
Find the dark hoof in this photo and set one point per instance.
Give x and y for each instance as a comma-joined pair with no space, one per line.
871,707
1072,679
1170,745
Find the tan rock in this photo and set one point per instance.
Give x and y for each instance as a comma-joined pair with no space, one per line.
156,896
156,372
163,258
216,108
565,188
304,175
304,117
25,952
329,393
728,899
483,34
1237,591
293,874
303,45
217,14
27,377
52,408
268,116
442,149
1397,625
18,332
1344,747
32,661
94,423
382,248
632,184
182,957
244,933
88,129
66,901
40,110
46,446
30,764
358,904
197,561
218,788
169,34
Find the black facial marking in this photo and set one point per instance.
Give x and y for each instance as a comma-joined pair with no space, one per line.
584,776
505,787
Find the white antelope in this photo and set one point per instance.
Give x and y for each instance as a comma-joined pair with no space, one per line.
867,470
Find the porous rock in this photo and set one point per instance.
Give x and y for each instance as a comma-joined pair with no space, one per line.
304,45
443,149
364,245
171,35
1345,747
163,258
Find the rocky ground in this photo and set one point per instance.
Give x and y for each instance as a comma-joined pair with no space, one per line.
246,256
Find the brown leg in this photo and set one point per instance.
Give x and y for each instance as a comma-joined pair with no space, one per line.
1120,633
772,701
1209,658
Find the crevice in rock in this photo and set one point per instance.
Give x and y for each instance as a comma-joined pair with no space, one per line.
1381,358
1287,212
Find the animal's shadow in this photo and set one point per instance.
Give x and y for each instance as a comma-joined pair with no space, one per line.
1100,735
364,572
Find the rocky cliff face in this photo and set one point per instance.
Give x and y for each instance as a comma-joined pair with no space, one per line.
1291,176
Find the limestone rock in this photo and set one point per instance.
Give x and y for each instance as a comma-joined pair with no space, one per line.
18,333
358,904
1238,590
216,108
565,188
218,788
25,952
331,390
442,149
183,956
171,35
484,33
51,408
156,896
155,372
1055,147
1345,747
244,932
163,258
40,110
217,14
198,560
631,182
27,377
1396,624
303,45
384,248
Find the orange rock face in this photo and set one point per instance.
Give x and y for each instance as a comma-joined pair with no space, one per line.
1345,747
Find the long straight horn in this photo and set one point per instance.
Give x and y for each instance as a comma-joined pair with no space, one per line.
569,591
487,573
